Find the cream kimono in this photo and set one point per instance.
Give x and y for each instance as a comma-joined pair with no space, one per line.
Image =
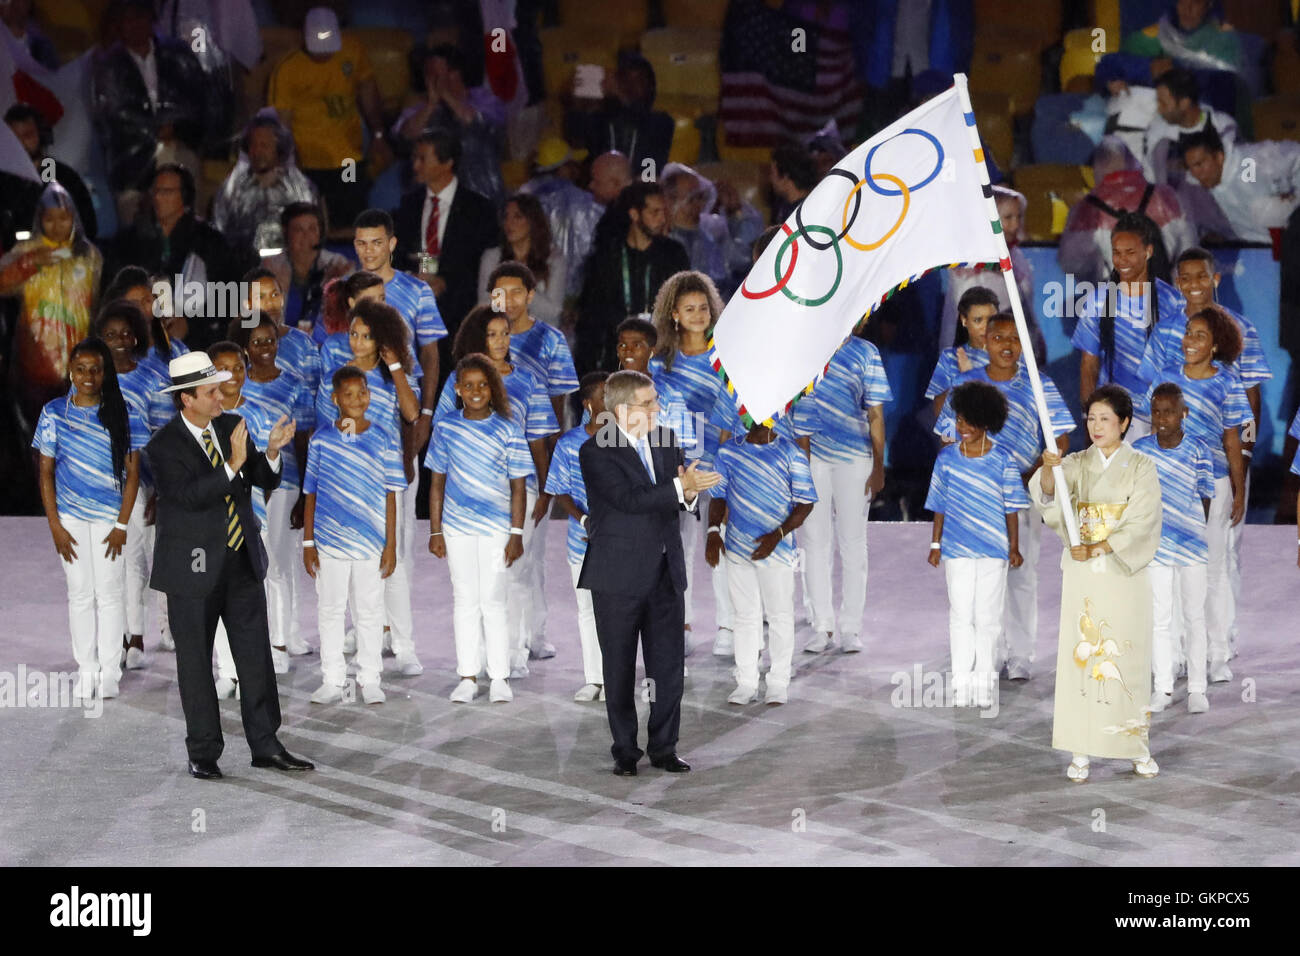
1103,661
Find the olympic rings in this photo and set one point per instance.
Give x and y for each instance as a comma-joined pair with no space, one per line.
839,267
798,214
902,191
938,164
781,280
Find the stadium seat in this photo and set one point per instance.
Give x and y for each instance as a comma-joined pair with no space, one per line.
388,50
514,173
999,15
685,61
622,20
695,14
1106,14
1047,186
1078,62
1277,117
993,120
1286,65
749,178
761,155
686,112
1252,16
1006,61
70,41
563,48
85,16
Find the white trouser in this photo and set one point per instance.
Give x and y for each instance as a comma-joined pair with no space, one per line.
1219,607
759,589
284,557
96,585
592,663
335,580
138,551
694,530
1234,565
977,591
536,556
397,586
840,517
519,589
1174,588
477,566
1020,619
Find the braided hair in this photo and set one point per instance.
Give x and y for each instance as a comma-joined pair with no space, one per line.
112,406
1138,225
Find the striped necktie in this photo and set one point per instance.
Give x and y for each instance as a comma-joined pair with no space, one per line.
234,531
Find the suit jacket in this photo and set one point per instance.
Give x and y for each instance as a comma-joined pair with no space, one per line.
190,543
632,523
472,226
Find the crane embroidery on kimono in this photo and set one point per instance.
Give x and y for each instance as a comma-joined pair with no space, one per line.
1095,655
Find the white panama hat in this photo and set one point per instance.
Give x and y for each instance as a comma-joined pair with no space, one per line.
191,370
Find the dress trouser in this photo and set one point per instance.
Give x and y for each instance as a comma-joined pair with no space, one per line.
656,618
335,580
96,584
284,558
239,600
762,589
1219,607
1177,590
477,566
840,517
977,589
592,669
1020,620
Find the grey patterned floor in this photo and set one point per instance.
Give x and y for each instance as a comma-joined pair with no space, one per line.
840,775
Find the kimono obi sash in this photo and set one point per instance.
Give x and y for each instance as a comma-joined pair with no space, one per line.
1098,519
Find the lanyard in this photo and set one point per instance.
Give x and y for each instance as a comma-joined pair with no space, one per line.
627,285
613,141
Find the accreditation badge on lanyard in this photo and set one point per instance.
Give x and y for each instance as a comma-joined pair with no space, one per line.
627,290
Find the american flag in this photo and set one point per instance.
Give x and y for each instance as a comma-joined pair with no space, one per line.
770,93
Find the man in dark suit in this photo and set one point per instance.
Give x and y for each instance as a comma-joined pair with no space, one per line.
209,561
636,485
442,218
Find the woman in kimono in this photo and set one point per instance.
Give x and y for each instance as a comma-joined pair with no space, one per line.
1103,661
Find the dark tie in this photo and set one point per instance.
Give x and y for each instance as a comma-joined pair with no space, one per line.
431,230
234,532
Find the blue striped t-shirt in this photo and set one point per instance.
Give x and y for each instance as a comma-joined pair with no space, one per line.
1186,476
762,484
530,407
479,458
351,474
565,478
543,351
835,414
1214,405
1022,436
975,495
947,369
84,486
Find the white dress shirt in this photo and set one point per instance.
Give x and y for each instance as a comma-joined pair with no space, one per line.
637,446
197,432
445,198
148,67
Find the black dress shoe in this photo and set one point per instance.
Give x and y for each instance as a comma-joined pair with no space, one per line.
625,768
205,770
283,761
671,763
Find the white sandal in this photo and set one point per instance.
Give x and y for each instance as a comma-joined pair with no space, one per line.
1078,769
1146,767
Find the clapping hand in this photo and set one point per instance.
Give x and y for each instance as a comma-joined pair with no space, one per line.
238,447
281,434
694,481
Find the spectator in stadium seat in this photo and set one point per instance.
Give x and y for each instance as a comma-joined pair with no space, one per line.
1084,248
1179,114
150,104
793,174
717,242
572,211
266,179
55,276
304,267
526,238
1255,186
632,257
475,115
16,15
626,119
173,241
18,196
321,93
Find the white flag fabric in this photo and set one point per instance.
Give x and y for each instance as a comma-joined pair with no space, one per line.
910,199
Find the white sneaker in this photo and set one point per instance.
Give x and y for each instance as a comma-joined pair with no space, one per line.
108,689
587,693
742,695
1220,673
776,694
350,641
820,641
1197,703
298,647
850,643
373,693
518,665
500,692
280,660
327,694
1159,701
135,659
1146,768
465,691
226,688
602,693
408,665
165,640
724,645
541,650
1017,669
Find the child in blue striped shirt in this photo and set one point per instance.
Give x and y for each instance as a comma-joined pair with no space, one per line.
1178,572
975,493
477,502
974,309
89,443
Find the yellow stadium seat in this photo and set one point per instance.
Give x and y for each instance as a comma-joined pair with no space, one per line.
692,107
695,14
993,120
1277,117
388,51
1105,14
1005,61
686,141
1044,25
563,48
685,61
85,16
624,20
749,178
1078,62
1048,187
